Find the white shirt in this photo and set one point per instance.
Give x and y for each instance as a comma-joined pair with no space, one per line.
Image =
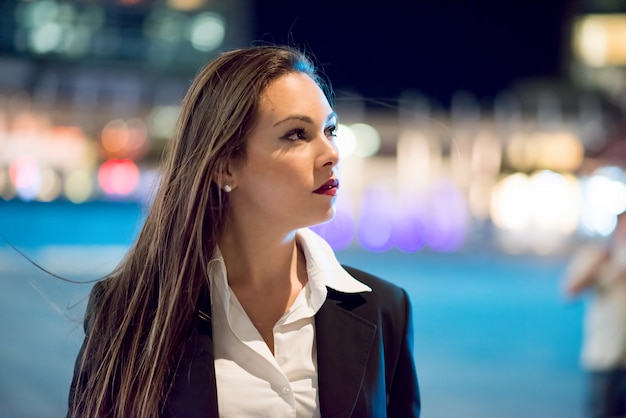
250,380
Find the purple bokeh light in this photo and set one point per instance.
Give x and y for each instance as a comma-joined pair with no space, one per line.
447,218
410,226
376,223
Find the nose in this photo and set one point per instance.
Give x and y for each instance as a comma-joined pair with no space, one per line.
328,152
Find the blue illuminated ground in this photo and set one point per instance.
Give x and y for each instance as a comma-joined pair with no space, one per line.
493,337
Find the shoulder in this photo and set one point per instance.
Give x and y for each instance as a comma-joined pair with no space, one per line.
385,295
377,284
97,295
96,302
387,305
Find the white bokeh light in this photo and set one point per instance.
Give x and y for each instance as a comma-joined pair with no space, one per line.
604,198
207,31
346,141
46,38
555,201
367,139
511,202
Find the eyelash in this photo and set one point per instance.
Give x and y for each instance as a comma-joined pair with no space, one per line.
299,133
302,134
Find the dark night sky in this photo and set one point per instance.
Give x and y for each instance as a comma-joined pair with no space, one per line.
381,48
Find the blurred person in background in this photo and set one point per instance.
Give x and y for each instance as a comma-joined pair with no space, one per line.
227,305
601,269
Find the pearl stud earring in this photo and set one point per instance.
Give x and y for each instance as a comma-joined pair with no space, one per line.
227,188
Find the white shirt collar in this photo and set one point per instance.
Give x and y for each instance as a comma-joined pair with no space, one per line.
321,262
322,265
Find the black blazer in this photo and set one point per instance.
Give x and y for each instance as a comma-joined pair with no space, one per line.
364,355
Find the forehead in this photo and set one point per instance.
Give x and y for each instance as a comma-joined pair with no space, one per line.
293,93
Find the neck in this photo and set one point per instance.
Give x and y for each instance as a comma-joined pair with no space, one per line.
258,258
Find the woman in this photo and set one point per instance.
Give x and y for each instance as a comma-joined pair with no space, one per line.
227,305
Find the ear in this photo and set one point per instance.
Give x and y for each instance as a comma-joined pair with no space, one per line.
224,175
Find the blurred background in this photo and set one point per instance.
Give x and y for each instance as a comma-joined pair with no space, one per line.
482,142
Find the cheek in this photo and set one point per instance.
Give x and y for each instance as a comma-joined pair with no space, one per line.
289,168
282,178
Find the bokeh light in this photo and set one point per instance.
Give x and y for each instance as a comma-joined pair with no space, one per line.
346,140
410,225
511,201
118,177
367,139
376,221
46,38
446,224
121,138
598,39
555,202
78,185
603,199
51,185
162,121
207,31
186,5
25,174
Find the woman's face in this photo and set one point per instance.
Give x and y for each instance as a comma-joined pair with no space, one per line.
288,177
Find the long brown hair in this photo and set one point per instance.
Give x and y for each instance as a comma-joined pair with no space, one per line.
141,315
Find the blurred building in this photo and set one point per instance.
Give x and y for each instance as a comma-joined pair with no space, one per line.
89,91
89,95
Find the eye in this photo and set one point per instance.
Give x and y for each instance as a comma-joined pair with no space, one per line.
298,134
331,131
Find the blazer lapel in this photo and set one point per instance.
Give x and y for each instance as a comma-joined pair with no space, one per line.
344,341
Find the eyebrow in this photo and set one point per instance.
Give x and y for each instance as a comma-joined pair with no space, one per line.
304,118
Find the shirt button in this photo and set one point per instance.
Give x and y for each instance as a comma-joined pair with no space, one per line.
286,390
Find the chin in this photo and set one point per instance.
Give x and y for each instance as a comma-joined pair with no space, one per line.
327,217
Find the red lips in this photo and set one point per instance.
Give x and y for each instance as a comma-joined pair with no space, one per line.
328,188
